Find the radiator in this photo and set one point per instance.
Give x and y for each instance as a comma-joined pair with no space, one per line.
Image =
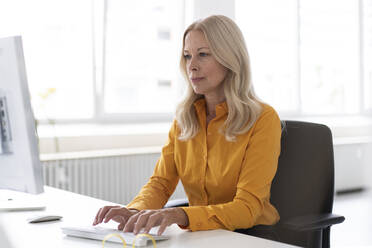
119,177
353,164
113,178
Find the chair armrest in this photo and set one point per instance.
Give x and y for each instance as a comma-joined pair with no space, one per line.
184,202
313,222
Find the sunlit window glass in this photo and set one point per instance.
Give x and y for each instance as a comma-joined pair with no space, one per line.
57,38
329,52
269,27
141,56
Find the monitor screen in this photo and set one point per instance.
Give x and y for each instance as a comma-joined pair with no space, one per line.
20,167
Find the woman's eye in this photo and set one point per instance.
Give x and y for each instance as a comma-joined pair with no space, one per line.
187,56
203,54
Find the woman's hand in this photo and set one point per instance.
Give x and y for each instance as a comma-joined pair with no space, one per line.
131,220
115,213
150,218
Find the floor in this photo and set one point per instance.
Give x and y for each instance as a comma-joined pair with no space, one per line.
356,230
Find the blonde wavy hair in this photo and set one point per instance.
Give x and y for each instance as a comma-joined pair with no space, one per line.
227,45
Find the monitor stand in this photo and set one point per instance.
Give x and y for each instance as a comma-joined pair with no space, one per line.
18,201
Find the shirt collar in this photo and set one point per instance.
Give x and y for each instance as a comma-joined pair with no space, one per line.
221,108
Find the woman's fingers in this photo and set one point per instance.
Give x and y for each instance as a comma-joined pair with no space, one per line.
102,213
148,219
142,221
96,218
120,219
122,213
121,226
130,223
116,213
164,224
113,212
152,221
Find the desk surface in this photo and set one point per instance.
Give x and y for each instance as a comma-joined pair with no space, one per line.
80,210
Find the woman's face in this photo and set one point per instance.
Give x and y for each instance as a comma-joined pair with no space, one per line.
205,73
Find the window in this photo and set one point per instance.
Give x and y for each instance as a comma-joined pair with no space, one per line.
73,75
115,59
305,54
329,57
142,49
57,39
269,27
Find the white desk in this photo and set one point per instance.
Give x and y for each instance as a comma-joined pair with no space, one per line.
80,210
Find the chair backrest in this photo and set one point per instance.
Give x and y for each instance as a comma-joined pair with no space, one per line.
304,182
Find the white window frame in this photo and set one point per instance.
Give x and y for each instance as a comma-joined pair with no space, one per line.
193,10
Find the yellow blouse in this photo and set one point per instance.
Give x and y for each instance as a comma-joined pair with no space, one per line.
227,183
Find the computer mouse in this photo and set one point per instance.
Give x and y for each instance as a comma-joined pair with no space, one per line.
43,218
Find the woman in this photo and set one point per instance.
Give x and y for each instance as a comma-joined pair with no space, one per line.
224,143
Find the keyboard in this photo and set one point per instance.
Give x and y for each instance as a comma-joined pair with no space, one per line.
99,233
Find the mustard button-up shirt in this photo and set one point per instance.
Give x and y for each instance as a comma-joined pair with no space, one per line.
227,183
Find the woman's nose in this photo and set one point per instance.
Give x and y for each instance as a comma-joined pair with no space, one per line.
193,66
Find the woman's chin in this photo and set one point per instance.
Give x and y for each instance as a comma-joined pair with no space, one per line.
199,91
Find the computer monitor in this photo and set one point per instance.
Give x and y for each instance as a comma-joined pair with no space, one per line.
20,167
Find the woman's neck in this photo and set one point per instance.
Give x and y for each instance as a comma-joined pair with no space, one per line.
211,103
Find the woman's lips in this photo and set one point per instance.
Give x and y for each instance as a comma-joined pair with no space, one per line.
197,79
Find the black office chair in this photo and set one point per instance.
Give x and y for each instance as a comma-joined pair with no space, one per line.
303,188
